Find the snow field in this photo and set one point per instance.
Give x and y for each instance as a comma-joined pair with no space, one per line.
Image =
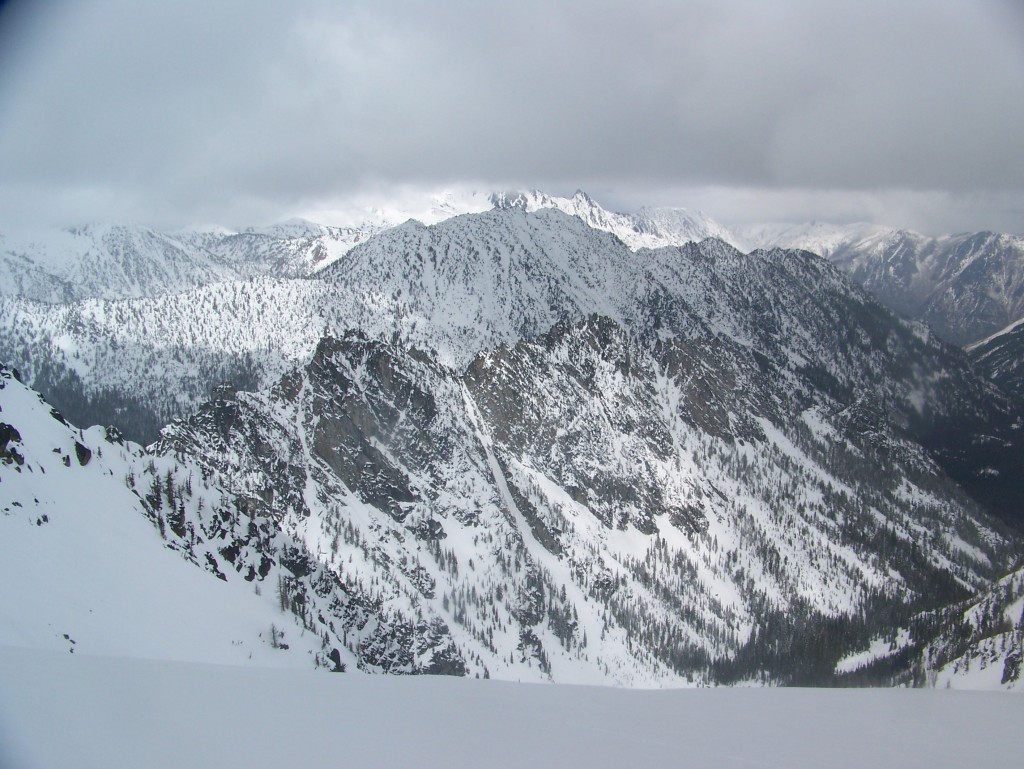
59,710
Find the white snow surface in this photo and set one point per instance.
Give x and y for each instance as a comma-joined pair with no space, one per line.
85,571
61,710
819,238
647,228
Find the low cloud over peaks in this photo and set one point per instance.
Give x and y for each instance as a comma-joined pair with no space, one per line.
249,111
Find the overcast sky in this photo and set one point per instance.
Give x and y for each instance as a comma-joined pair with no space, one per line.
248,112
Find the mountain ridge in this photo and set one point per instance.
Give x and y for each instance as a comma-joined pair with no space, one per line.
966,286
510,445
477,281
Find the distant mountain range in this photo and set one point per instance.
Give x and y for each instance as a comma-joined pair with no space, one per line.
965,287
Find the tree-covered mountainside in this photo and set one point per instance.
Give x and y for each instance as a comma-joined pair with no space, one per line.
508,445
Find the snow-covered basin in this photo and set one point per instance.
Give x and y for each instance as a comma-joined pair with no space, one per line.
63,710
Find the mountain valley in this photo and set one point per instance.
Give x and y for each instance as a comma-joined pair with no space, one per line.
526,444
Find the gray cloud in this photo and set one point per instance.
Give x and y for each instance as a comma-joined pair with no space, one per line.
238,112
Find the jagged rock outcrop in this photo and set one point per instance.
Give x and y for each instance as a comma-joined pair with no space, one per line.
569,498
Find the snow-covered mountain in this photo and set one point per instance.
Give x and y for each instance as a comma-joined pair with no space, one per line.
822,238
578,508
138,363
128,262
457,287
648,228
295,248
91,564
586,508
103,261
474,282
509,445
966,286
123,261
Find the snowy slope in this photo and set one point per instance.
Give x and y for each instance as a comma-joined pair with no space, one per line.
974,644
647,228
991,655
475,281
243,718
85,569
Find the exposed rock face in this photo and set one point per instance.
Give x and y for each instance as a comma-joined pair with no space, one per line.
9,438
583,495
587,414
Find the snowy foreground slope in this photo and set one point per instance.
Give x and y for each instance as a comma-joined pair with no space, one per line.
93,713
84,567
